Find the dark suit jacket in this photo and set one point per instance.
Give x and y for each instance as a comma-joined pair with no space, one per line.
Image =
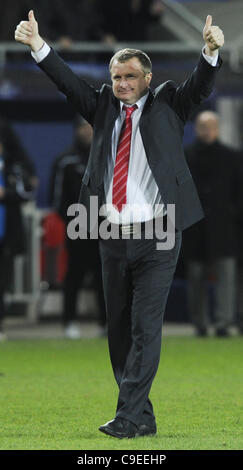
67,173
18,174
161,125
18,189
216,170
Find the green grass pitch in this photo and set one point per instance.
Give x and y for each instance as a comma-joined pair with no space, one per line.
54,394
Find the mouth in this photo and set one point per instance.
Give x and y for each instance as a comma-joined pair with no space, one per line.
124,92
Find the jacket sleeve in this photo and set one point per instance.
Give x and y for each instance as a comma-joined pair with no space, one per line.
79,93
186,97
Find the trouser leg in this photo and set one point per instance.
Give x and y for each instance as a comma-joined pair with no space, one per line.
225,291
97,270
6,271
118,288
197,295
118,297
148,273
76,270
240,297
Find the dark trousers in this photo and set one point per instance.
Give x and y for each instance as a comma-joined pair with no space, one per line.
83,256
137,280
6,269
224,270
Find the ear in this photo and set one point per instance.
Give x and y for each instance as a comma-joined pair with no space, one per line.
148,77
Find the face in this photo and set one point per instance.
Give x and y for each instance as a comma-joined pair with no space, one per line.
207,129
129,82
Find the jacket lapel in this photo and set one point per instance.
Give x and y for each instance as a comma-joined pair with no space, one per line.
148,104
111,116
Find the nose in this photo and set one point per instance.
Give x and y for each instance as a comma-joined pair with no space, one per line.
123,82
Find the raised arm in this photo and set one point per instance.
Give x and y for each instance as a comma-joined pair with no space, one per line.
188,95
79,93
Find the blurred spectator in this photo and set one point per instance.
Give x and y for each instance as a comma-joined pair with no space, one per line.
240,286
83,255
133,20
210,246
66,21
69,21
10,15
240,260
17,185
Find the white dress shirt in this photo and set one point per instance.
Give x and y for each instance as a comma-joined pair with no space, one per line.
144,201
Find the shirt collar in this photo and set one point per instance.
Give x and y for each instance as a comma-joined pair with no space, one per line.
140,103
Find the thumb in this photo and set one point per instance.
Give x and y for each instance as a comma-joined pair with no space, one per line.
31,16
208,23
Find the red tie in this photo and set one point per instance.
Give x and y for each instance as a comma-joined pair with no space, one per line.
119,194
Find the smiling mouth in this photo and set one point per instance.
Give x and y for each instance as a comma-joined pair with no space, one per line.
125,94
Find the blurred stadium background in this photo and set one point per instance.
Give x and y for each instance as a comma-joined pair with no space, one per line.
44,123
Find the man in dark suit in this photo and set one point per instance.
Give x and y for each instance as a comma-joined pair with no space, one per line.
136,160
83,255
18,184
210,246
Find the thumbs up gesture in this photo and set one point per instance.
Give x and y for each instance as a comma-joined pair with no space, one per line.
213,36
27,33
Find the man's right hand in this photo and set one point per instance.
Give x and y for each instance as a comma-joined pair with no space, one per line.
27,33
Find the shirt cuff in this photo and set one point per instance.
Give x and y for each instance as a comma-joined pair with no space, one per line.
212,60
42,53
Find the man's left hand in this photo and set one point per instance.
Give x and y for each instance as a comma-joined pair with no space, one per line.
213,36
